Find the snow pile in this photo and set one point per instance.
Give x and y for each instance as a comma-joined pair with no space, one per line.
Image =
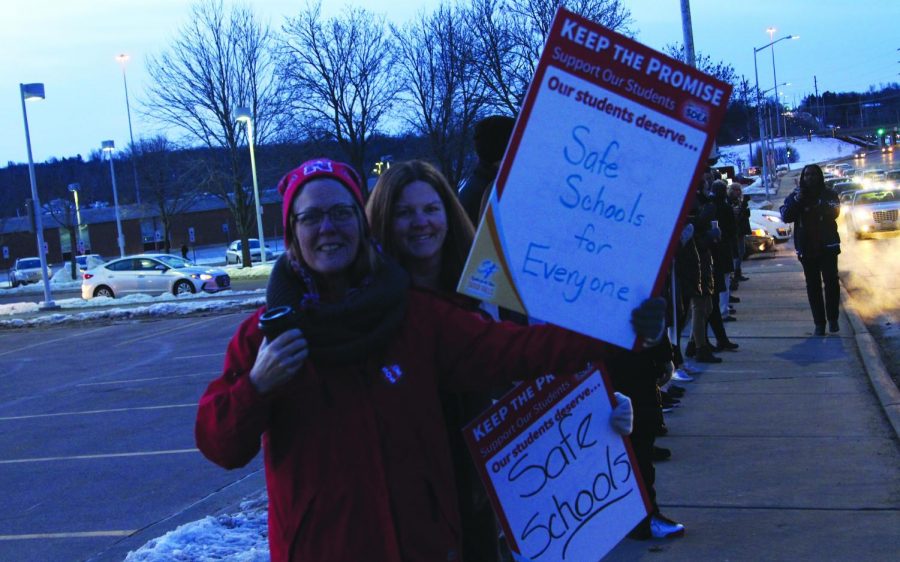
241,537
153,310
810,152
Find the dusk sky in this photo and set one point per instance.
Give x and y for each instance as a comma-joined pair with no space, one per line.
70,46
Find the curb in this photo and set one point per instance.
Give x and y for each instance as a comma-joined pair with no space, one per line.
887,392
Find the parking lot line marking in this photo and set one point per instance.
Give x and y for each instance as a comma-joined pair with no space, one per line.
100,456
87,412
74,535
123,381
166,331
220,354
44,342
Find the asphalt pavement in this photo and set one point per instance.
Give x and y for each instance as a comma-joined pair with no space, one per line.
788,449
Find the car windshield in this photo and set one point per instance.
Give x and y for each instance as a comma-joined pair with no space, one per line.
29,264
174,261
873,197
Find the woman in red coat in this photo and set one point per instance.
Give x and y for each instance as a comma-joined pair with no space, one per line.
345,405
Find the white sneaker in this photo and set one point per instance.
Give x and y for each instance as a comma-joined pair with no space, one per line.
681,376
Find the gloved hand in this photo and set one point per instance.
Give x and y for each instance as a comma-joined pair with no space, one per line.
666,376
649,320
622,417
687,233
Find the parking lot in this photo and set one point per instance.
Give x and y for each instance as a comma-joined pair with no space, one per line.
97,451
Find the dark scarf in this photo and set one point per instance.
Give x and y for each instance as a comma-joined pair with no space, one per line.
351,329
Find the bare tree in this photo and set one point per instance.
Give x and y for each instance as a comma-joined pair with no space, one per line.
169,183
511,35
442,93
340,74
704,63
218,62
59,202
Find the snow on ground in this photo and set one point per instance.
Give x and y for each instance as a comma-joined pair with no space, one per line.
241,537
809,152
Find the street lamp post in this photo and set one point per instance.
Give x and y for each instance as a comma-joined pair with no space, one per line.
74,187
123,58
36,92
762,141
243,114
109,147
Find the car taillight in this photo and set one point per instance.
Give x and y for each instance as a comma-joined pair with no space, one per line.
87,275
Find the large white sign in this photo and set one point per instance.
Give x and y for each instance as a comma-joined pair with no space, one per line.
581,224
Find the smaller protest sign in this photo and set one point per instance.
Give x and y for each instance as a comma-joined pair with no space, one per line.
563,484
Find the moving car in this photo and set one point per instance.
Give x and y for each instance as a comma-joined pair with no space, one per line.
874,210
233,253
151,274
771,223
25,271
842,187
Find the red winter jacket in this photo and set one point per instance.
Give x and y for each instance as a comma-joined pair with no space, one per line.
357,461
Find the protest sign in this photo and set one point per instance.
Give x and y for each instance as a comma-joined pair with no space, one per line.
611,139
564,485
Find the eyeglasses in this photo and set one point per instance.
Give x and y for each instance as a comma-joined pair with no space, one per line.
338,215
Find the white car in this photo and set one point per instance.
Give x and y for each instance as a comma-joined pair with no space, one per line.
233,253
25,270
872,211
771,222
151,274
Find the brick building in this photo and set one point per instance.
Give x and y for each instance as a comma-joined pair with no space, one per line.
209,218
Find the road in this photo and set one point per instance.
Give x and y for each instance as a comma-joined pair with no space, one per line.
97,454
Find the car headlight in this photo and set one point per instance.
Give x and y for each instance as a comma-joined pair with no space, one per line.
861,215
758,232
205,276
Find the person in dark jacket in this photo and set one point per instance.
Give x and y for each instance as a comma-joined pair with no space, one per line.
490,139
345,403
814,209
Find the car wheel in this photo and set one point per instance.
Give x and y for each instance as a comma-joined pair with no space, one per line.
104,291
183,288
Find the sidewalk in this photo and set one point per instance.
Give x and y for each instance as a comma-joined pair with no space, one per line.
783,451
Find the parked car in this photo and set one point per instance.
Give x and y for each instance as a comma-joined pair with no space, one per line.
874,210
83,262
758,242
25,271
151,274
233,253
771,223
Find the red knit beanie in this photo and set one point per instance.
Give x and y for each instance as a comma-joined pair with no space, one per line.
290,184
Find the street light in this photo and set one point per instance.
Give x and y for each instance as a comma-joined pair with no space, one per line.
74,187
243,114
771,31
762,143
123,58
109,147
36,92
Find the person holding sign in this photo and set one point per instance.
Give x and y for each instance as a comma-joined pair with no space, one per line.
344,401
420,223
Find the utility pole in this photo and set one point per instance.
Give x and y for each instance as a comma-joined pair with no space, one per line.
688,32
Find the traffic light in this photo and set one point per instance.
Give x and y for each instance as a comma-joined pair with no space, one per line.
880,132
